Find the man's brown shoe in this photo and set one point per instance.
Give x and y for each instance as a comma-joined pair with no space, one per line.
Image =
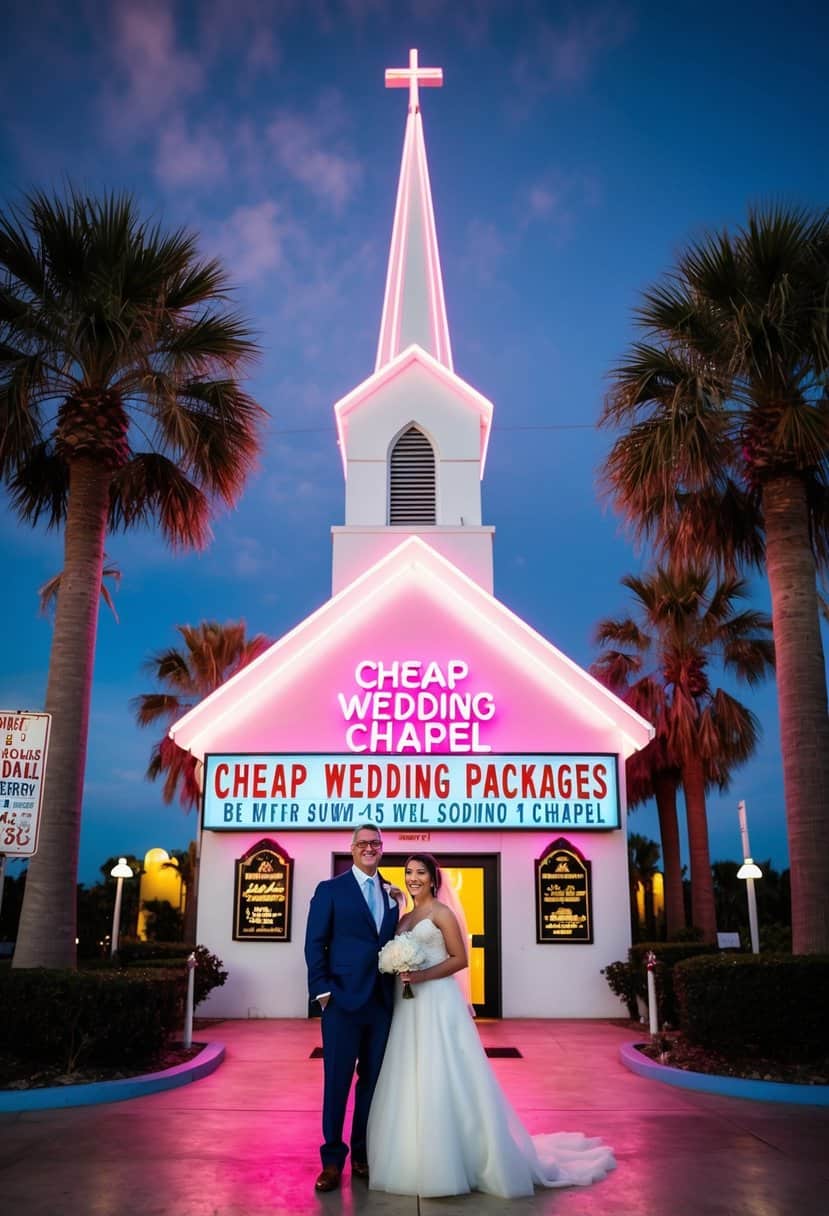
329,1179
359,1169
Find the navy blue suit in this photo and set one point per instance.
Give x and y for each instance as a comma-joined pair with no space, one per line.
341,947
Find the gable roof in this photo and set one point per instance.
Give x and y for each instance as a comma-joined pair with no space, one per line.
410,565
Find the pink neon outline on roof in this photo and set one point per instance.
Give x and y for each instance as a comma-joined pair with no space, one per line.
414,175
452,583
381,376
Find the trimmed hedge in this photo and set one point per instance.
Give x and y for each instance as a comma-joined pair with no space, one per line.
668,955
90,1017
131,950
210,973
774,1004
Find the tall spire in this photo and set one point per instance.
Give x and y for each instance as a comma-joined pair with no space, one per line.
414,310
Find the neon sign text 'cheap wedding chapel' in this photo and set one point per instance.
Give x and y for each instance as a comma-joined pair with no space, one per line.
411,706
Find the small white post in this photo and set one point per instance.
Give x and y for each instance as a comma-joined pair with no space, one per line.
751,895
119,872
748,871
653,1013
188,1007
116,918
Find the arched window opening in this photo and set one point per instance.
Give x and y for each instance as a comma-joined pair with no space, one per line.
412,480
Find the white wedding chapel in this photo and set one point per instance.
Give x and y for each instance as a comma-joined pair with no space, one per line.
415,700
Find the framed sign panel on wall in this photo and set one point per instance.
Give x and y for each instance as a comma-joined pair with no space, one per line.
262,894
563,896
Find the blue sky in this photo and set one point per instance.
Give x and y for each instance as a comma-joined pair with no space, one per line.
573,150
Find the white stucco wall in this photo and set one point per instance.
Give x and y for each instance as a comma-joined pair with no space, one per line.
355,549
269,979
453,427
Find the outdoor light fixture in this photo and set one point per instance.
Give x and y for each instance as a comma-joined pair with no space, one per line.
119,872
748,871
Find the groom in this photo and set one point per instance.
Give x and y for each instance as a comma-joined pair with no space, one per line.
350,918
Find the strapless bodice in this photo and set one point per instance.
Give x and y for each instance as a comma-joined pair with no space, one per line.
431,941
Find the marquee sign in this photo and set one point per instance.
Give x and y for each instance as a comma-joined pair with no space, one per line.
302,792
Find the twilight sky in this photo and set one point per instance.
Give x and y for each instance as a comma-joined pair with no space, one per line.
573,150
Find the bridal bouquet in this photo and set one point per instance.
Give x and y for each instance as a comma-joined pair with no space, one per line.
402,953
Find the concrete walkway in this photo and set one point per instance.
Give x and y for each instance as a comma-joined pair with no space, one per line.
244,1141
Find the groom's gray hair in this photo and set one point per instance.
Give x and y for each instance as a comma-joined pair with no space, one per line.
365,827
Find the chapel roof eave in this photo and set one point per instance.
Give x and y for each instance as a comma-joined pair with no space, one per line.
407,565
414,354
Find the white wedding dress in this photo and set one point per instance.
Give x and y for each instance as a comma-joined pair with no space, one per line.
440,1123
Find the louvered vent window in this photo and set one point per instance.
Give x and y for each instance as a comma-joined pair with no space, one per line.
412,481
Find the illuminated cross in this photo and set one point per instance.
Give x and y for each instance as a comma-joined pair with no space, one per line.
399,78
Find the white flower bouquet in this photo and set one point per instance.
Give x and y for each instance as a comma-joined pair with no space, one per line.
402,953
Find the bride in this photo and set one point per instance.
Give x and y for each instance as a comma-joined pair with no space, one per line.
460,1132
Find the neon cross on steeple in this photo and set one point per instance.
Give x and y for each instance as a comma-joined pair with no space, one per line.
400,78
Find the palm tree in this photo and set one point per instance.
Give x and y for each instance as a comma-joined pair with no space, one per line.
682,623
186,865
212,653
652,772
725,451
120,406
643,864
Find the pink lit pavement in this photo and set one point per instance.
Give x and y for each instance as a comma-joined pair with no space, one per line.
243,1141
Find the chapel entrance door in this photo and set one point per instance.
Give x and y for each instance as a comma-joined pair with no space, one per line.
475,880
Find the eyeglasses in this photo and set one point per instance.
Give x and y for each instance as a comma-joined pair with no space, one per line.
367,844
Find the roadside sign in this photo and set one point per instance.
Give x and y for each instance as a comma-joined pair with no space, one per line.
24,742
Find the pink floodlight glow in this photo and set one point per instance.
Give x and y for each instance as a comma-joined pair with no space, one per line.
437,303
389,371
368,618
389,341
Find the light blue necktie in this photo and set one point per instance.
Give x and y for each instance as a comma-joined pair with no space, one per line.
371,900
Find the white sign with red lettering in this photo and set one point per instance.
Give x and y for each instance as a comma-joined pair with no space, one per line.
249,792
24,742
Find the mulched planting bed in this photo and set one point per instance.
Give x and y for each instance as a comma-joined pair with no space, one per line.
676,1052
19,1074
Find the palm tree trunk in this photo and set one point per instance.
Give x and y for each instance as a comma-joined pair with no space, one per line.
664,787
703,912
191,901
802,708
46,937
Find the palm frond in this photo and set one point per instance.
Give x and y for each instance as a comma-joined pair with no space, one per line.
152,488
39,486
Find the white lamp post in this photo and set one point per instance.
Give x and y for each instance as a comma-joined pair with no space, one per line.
748,871
120,872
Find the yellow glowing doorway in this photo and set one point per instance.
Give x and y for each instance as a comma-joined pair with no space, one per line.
474,879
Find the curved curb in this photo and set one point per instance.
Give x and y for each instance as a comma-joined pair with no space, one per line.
728,1087
207,1061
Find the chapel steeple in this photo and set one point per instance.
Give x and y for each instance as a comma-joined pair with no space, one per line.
413,437
414,309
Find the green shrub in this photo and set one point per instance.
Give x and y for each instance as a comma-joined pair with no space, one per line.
622,980
210,973
90,1017
774,1005
668,954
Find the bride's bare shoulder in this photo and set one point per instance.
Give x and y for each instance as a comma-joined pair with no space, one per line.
441,912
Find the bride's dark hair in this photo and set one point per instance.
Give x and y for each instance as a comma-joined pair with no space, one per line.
427,860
